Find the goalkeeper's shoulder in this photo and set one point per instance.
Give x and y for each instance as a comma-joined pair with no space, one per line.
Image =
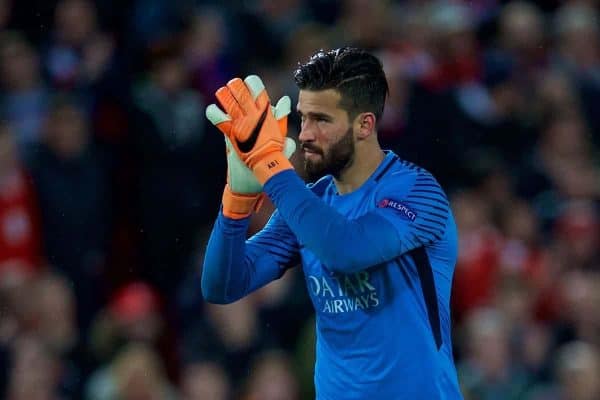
406,178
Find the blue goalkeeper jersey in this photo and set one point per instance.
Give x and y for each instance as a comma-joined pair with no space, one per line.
378,264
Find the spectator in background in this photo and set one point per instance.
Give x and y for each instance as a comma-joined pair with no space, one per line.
533,350
24,97
271,378
479,245
20,237
487,113
455,48
78,52
524,257
151,22
206,51
576,30
454,67
231,335
135,373
134,314
302,41
71,178
205,380
562,166
487,370
176,164
555,95
407,58
521,36
362,23
235,333
578,54
81,58
577,235
15,286
269,23
577,366
578,320
53,321
35,372
40,353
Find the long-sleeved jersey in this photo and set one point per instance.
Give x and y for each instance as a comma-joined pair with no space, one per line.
378,264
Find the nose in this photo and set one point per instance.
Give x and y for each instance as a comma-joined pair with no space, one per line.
307,133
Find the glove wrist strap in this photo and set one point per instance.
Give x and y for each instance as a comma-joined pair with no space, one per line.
239,206
271,164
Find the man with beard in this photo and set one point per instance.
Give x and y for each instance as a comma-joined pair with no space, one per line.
374,233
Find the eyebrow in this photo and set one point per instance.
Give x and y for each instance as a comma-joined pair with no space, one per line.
313,115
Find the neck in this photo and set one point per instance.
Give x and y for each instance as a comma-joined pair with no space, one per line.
366,161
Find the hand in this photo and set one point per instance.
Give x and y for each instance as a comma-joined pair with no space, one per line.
253,132
243,192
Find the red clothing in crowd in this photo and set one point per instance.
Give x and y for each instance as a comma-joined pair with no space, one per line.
20,239
476,271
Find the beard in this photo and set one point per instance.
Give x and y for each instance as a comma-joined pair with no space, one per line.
338,158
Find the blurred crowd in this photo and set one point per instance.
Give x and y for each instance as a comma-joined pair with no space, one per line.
110,180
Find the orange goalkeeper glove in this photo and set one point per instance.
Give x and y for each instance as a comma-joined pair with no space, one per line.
253,131
243,193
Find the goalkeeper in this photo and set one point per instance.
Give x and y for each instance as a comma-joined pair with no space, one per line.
374,233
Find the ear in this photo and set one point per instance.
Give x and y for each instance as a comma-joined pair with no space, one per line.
365,125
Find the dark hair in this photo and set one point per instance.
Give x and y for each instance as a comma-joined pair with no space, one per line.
356,74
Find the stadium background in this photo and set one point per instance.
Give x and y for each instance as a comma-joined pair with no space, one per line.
110,179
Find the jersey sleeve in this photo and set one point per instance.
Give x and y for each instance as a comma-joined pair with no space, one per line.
234,267
416,207
350,245
278,241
